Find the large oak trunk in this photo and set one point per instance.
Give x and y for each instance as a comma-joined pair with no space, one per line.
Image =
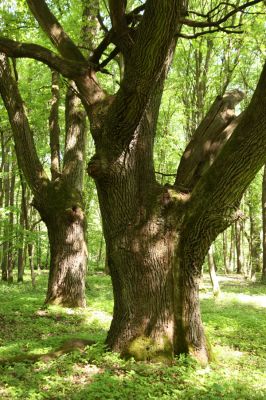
140,259
156,291
156,305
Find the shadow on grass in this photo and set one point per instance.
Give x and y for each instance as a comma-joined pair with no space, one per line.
23,329
171,384
234,326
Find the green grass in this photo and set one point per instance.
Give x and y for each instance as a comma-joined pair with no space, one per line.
235,324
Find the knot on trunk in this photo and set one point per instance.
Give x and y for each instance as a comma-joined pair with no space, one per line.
97,167
171,196
75,213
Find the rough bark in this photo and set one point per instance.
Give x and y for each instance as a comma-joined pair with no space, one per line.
208,139
65,218
140,244
54,126
66,285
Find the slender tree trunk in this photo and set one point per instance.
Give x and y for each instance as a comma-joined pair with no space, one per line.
225,256
31,263
11,225
255,251
263,276
23,225
212,272
232,251
239,252
39,249
21,252
6,192
99,257
1,185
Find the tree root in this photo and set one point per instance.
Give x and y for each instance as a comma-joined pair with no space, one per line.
66,347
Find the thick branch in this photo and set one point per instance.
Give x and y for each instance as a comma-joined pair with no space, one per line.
87,84
73,163
25,149
149,57
118,15
68,68
214,200
90,23
120,27
54,30
208,140
54,126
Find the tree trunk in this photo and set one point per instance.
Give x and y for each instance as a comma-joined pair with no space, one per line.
6,192
149,321
239,250
22,252
11,225
31,263
21,259
225,257
263,276
232,251
68,257
212,272
58,200
255,248
142,324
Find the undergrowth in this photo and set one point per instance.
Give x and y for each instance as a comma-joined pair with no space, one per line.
235,324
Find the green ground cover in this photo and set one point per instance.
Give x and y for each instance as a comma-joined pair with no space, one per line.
235,324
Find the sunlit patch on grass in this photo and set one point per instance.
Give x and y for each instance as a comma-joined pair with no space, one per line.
100,317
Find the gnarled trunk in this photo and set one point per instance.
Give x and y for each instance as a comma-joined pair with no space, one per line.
153,306
156,292
140,260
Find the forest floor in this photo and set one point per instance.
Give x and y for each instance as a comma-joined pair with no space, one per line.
235,324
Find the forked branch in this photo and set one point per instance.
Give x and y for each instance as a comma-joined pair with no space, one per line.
54,30
68,68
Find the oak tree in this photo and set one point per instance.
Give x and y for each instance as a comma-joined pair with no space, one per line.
157,236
